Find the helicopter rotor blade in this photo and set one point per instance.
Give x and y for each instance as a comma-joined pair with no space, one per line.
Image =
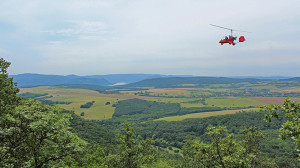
220,27
242,31
230,29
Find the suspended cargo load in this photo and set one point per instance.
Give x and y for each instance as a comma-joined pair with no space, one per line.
242,39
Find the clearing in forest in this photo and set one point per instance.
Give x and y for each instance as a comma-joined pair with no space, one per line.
203,115
100,110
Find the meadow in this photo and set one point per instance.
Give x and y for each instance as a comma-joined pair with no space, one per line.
98,111
214,102
104,108
204,115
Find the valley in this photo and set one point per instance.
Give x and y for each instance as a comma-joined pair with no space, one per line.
232,97
172,114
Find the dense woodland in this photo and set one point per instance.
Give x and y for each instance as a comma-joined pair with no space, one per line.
87,104
35,134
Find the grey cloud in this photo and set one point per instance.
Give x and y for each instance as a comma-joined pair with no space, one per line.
167,37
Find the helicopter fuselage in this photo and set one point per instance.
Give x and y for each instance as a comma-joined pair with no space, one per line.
230,40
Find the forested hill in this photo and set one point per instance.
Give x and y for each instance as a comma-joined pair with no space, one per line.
133,80
296,79
126,78
27,80
191,81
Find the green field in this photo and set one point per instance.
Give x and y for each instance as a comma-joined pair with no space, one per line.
100,111
171,100
233,102
213,101
203,115
77,97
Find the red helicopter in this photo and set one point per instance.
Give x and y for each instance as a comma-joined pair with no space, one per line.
230,40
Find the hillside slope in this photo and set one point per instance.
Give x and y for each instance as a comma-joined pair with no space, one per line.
28,80
195,81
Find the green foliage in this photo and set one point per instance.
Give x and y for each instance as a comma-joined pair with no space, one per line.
87,105
131,107
93,156
90,130
291,128
42,97
174,133
226,150
137,109
129,152
50,102
132,151
283,152
36,135
172,82
144,110
32,134
8,89
32,95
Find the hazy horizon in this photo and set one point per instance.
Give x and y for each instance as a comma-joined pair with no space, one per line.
274,76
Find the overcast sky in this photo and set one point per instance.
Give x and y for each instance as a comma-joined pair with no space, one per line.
172,37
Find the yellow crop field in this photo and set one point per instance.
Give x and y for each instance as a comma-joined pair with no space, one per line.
203,115
171,100
187,85
162,92
233,102
170,92
56,92
128,92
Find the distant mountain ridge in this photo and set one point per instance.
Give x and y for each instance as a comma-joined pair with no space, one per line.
133,80
30,80
130,78
297,79
262,77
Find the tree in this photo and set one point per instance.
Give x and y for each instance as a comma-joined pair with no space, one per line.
8,89
32,134
226,151
291,128
132,152
93,156
8,101
37,135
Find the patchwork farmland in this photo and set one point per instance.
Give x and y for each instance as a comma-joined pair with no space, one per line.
104,104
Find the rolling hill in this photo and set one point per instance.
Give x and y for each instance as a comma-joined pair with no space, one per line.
195,81
29,80
133,80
